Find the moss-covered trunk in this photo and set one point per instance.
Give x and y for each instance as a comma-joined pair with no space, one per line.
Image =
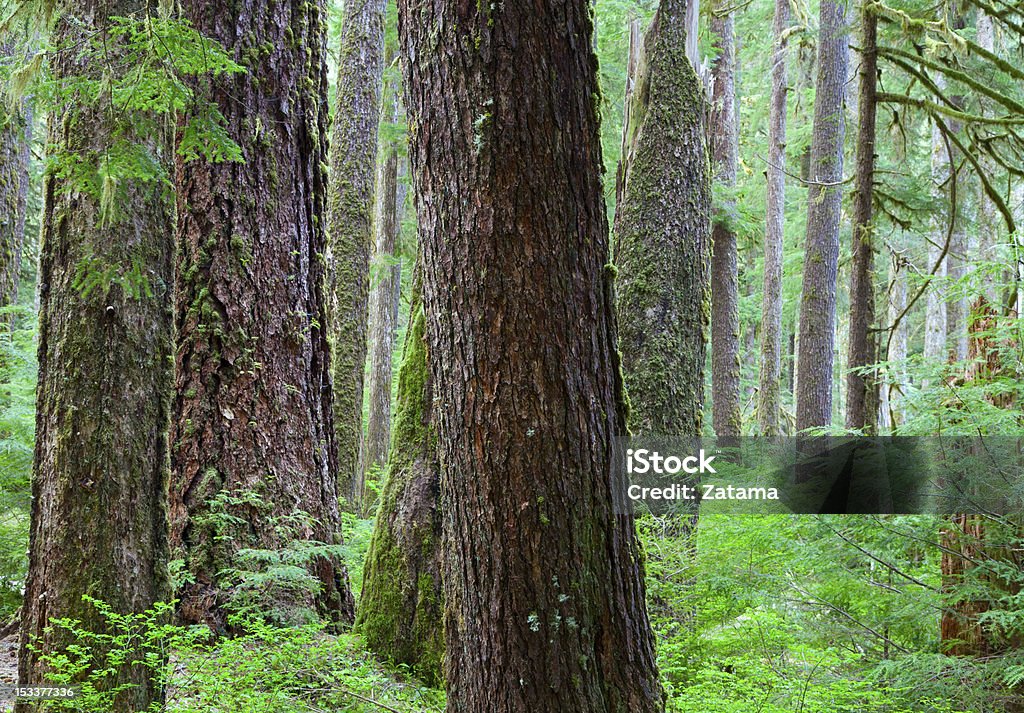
725,314
253,414
662,236
544,593
401,606
350,224
816,345
99,487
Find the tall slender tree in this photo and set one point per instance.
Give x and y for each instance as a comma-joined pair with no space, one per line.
821,257
353,159
725,314
861,387
944,188
770,375
662,234
15,140
542,574
253,436
384,303
99,486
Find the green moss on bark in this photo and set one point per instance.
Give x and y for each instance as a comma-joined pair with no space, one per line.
401,607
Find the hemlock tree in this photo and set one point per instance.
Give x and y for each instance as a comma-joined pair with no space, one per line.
542,571
816,344
725,315
662,236
99,486
770,374
350,223
402,604
255,457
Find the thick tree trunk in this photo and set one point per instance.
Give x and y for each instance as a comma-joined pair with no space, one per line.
662,227
353,160
99,486
542,574
818,300
770,376
725,315
252,422
15,140
384,299
861,387
402,603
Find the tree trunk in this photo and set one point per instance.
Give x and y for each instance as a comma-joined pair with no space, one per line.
252,420
770,376
862,388
818,302
542,572
402,603
353,159
15,142
892,393
99,486
935,307
662,239
725,315
384,299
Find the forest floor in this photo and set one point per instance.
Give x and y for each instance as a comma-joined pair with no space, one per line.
8,667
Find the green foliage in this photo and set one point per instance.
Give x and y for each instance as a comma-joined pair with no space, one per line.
827,613
17,433
264,669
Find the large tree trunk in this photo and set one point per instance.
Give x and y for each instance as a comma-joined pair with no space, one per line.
384,302
99,486
725,315
862,388
544,589
770,376
402,604
662,227
353,159
818,301
15,140
253,410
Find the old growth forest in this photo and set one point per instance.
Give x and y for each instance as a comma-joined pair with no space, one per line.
322,321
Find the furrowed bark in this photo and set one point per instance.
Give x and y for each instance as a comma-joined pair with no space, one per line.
521,336
353,158
725,316
770,375
818,301
862,387
252,417
99,486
